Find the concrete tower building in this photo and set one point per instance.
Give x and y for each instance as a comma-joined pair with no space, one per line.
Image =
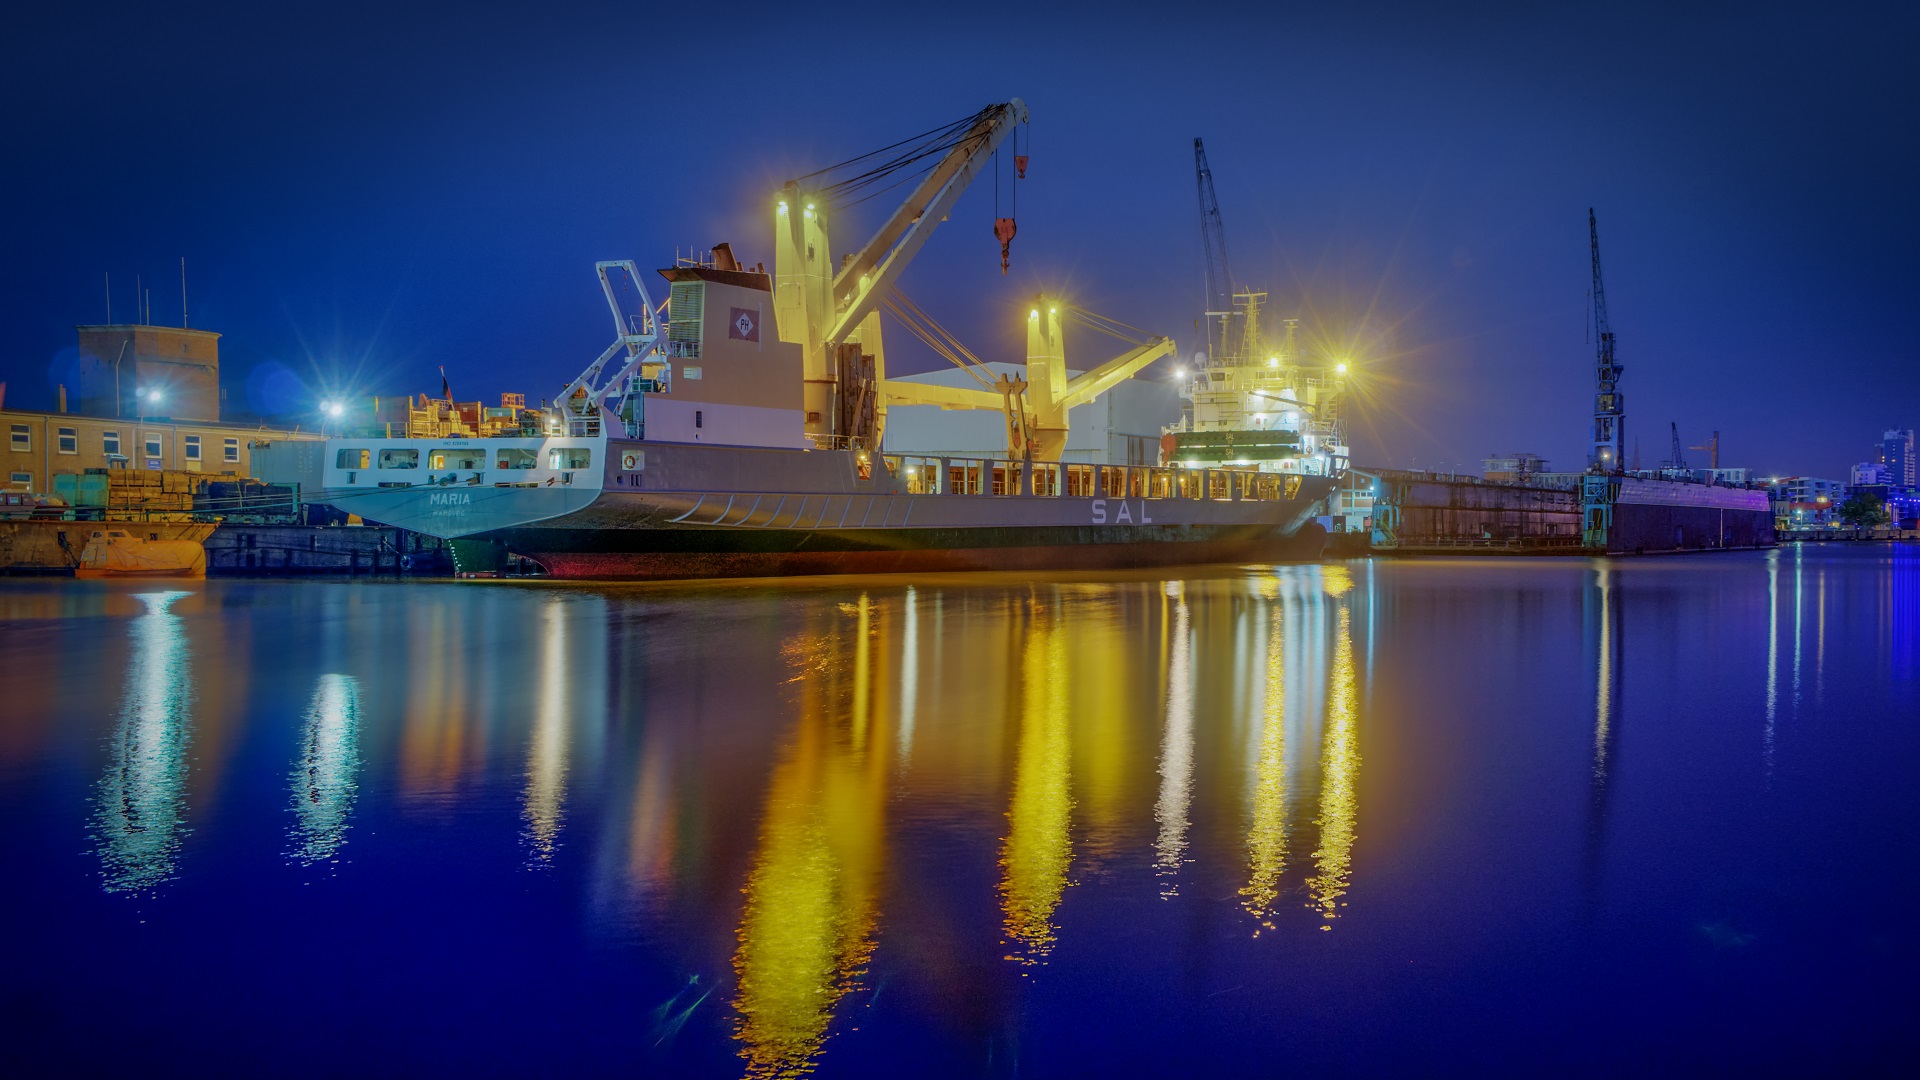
130,371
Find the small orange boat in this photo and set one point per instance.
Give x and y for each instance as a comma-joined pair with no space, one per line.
117,553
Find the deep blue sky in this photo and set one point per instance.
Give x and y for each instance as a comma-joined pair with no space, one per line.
366,192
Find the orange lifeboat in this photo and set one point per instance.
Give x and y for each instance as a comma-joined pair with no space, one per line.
116,553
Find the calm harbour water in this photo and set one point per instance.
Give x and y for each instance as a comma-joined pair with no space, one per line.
1458,815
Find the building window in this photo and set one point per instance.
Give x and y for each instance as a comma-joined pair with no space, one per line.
22,480
22,438
69,441
153,446
193,447
231,452
110,443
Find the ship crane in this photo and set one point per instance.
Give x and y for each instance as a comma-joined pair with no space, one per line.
1609,409
1213,240
834,314
831,308
1037,405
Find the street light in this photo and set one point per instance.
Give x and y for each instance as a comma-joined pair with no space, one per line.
335,409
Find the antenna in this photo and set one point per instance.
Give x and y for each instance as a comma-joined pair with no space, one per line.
139,302
109,277
183,292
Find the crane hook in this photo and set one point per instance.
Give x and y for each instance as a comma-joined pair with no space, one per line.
1003,230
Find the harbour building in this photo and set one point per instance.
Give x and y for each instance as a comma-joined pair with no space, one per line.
149,398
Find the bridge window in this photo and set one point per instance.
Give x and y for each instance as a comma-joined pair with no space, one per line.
351,459
461,457
399,459
569,457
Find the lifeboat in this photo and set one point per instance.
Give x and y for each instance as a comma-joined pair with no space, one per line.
116,553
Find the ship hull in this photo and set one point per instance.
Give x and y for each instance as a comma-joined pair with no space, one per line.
698,511
673,554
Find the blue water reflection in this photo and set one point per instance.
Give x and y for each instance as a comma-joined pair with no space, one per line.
1352,818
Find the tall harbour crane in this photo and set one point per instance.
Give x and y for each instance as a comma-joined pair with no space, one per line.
1213,238
1609,408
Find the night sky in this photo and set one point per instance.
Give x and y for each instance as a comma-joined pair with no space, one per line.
366,193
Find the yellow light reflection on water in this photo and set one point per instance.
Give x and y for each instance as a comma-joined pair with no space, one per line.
1176,750
808,924
1267,836
1339,764
142,797
546,790
326,777
1039,848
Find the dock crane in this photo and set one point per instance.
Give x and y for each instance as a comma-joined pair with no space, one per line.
1213,240
1712,447
1609,408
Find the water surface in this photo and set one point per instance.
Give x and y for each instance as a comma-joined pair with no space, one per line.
1447,815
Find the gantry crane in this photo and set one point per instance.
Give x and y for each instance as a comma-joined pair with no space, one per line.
1609,408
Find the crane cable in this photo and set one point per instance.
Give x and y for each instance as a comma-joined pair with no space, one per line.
935,336
938,141
1132,335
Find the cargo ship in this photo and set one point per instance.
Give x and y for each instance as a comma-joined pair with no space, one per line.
739,428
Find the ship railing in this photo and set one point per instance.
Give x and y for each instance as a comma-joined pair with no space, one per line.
840,442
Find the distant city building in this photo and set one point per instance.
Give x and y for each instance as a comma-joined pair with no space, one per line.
1870,474
1515,467
1804,502
1896,453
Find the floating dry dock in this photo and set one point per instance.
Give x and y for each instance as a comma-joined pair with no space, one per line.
1430,513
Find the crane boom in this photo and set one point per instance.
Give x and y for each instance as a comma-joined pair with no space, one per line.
1213,239
1609,408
